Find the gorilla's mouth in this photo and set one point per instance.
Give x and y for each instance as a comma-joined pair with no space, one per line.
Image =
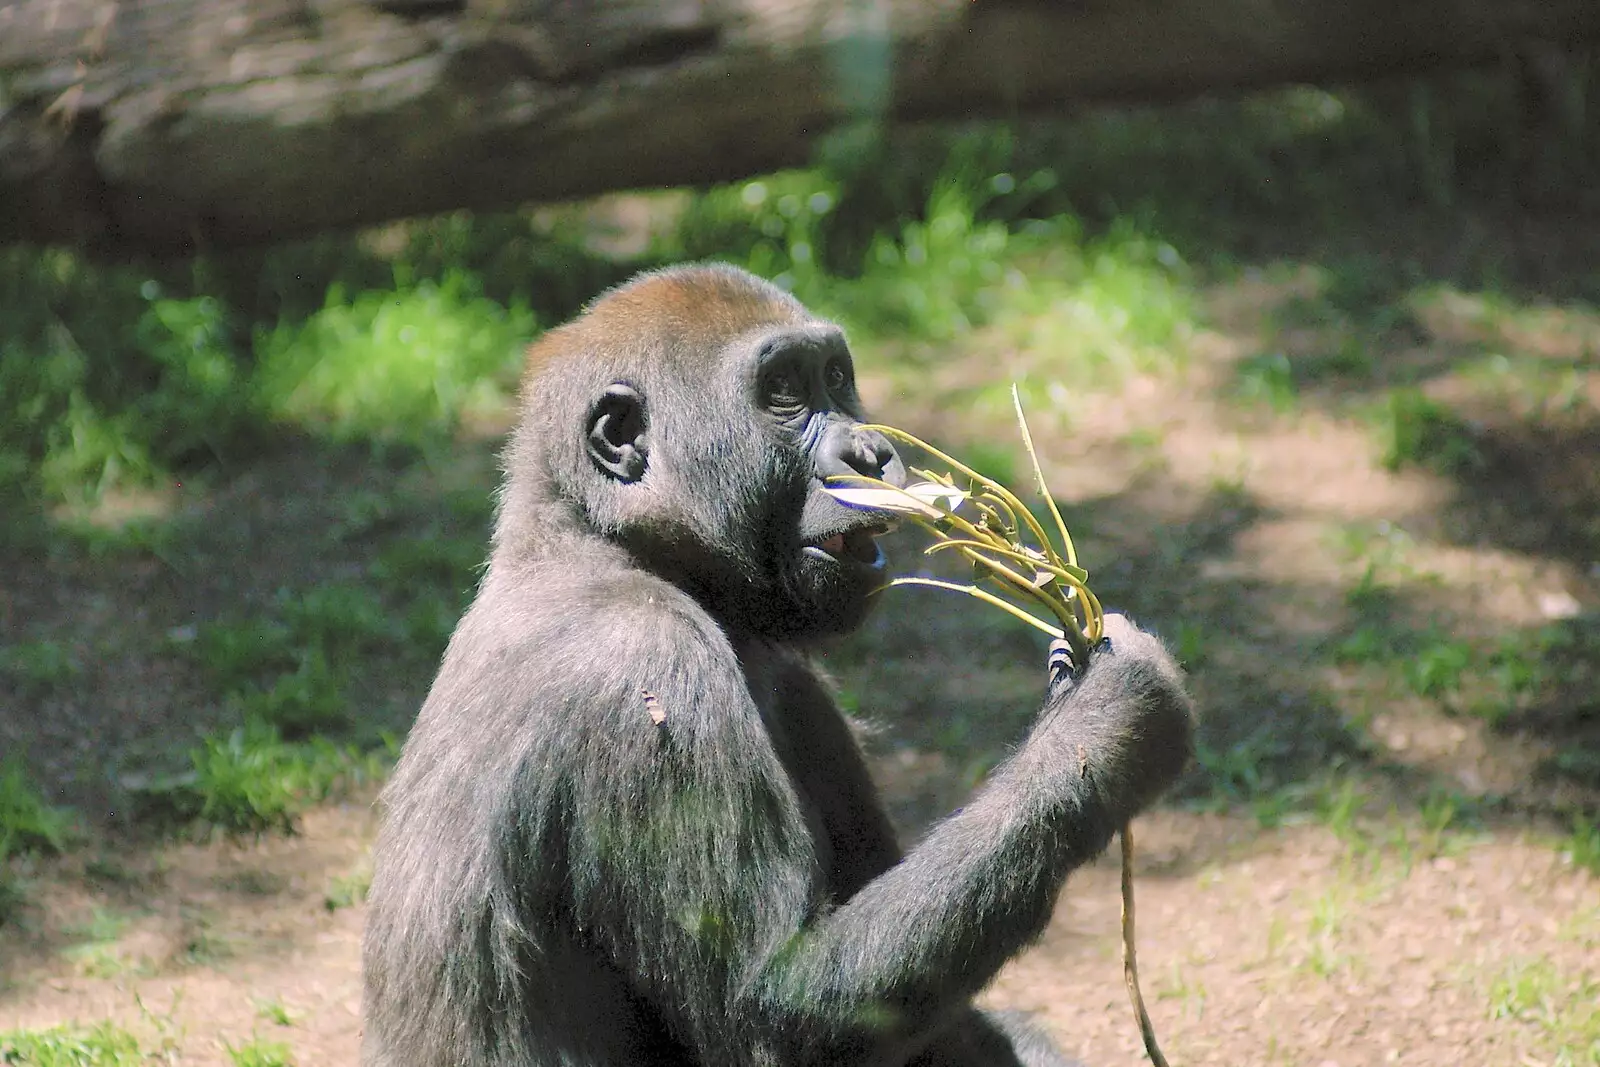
858,545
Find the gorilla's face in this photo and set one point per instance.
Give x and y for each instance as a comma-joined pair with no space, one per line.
828,561
717,410
730,462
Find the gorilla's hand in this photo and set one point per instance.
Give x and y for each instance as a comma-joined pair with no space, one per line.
1122,721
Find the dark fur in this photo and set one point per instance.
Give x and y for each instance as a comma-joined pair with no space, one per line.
560,880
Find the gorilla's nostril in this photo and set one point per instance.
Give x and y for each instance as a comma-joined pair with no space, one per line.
870,453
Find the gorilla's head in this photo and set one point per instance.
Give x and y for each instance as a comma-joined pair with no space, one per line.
692,417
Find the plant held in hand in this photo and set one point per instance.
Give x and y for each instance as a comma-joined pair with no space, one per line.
1019,567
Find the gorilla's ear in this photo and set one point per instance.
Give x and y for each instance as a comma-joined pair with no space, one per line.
617,433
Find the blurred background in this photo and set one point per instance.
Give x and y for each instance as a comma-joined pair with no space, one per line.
1309,341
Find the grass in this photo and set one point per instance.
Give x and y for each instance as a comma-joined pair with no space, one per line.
109,382
106,380
1415,430
27,825
1564,1010
1179,986
39,664
102,925
306,701
204,945
101,1045
108,1045
1582,845
259,1052
1436,665
1324,955
1267,380
1241,772
236,653
348,890
252,781
278,668
406,365
1095,311
27,822
274,1010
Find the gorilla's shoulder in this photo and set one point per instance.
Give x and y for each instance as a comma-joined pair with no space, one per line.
570,627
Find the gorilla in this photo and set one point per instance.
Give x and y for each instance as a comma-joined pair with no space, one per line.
631,824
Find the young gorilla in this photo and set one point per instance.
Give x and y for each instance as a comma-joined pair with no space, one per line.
630,825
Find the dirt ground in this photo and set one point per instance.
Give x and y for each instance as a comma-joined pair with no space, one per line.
1367,868
1284,946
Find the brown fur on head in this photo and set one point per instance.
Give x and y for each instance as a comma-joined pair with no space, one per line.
679,318
649,424
675,336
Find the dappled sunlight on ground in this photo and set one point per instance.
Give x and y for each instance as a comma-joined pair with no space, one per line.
1384,939
195,946
1299,946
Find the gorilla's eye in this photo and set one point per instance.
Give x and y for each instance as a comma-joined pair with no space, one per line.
838,378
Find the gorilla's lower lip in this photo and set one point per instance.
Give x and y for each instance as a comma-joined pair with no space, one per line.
858,546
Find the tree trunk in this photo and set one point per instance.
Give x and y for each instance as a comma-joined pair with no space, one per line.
167,125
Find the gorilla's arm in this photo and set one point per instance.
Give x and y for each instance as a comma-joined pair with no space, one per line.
692,863
825,759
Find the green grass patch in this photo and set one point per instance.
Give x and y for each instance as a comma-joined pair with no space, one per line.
1353,359
436,560
106,381
936,278
957,260
39,664
1435,665
1242,772
112,379
1582,845
279,668
337,619
307,700
102,1045
1431,663
259,1052
1416,430
274,1010
345,891
1267,380
234,654
1564,1009
253,781
95,952
406,365
1367,644
27,822
1096,310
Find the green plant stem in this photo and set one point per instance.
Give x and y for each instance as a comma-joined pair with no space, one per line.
1070,630
981,542
991,485
985,596
1038,473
